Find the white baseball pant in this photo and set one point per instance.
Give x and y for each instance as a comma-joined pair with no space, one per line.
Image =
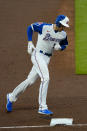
39,69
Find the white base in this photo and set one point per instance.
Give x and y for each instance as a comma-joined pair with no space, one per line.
61,121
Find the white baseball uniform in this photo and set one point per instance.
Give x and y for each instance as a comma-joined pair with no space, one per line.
48,38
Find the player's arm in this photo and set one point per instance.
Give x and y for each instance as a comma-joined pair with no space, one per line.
29,33
63,44
30,43
35,27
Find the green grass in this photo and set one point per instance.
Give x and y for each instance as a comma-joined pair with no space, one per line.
81,36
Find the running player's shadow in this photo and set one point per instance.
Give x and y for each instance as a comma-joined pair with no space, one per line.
24,108
16,109
47,117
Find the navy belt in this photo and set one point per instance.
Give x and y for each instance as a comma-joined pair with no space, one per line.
45,53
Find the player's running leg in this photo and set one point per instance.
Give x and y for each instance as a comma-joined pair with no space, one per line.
13,96
42,69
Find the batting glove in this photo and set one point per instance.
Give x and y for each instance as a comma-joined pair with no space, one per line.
57,47
30,47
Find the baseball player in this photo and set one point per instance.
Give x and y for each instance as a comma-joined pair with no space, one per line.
50,37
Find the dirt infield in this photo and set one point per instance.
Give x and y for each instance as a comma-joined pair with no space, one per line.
67,94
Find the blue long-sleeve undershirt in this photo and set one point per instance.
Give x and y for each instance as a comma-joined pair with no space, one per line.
63,43
29,33
37,27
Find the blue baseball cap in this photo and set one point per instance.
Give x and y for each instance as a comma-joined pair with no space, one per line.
63,20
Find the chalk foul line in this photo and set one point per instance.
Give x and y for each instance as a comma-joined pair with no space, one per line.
41,126
25,126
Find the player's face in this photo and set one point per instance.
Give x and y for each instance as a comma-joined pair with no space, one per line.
59,28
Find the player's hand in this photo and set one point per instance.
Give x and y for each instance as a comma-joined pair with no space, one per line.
57,47
30,47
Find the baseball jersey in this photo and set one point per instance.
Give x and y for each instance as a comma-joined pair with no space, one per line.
47,36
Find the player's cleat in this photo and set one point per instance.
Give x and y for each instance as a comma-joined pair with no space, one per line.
9,104
45,112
